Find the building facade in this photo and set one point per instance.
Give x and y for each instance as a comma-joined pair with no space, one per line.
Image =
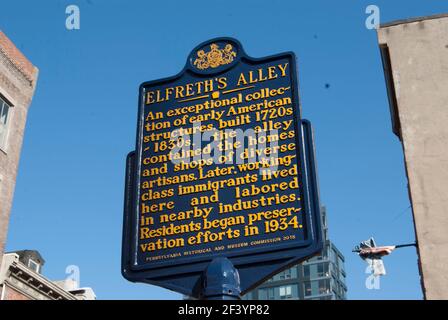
319,278
18,79
415,60
21,278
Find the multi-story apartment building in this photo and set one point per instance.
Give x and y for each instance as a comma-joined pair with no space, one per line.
319,278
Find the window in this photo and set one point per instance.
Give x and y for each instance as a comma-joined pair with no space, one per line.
271,293
285,274
341,264
262,294
33,265
285,292
317,287
324,286
316,270
333,256
343,294
322,270
307,288
4,117
306,271
341,277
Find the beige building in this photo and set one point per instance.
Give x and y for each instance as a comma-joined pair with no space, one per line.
17,83
415,60
21,278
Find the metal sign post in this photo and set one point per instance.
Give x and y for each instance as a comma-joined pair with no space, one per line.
221,281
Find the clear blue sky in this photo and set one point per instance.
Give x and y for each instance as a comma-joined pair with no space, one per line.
69,194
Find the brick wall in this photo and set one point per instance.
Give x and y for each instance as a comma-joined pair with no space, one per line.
17,83
11,294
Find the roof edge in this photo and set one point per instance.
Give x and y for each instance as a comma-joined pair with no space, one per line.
411,20
17,58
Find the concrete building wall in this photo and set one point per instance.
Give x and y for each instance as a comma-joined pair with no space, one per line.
415,57
17,83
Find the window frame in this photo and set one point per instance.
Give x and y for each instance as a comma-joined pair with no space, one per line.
37,264
4,141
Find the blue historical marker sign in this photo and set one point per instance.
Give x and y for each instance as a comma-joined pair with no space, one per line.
223,167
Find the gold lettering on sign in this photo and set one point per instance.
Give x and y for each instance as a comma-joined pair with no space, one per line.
192,204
